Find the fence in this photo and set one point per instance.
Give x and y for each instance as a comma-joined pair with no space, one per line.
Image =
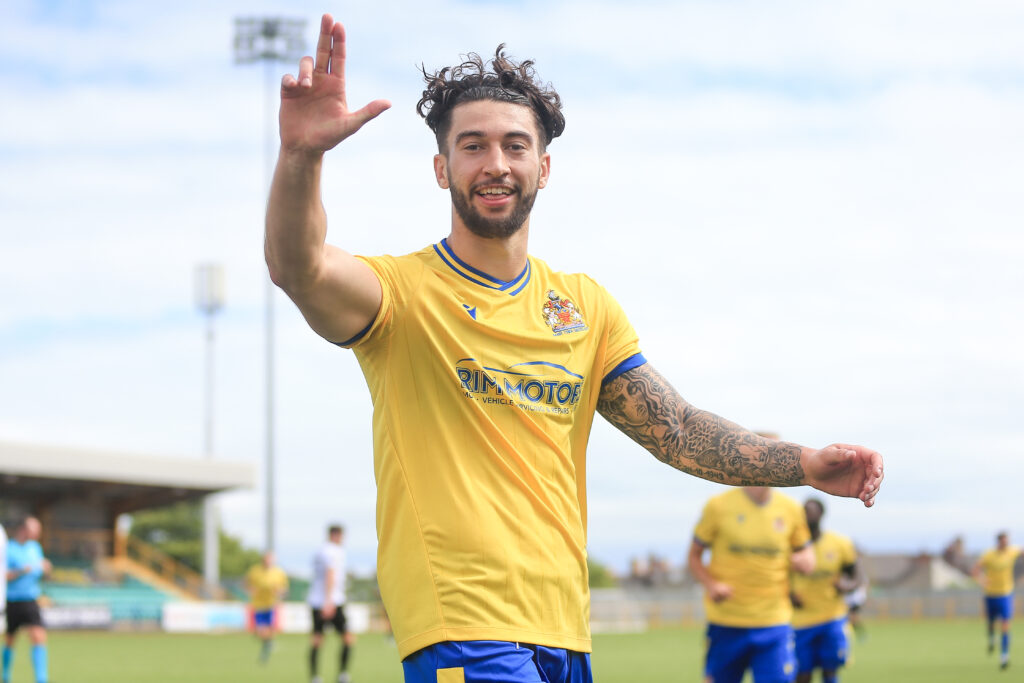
640,609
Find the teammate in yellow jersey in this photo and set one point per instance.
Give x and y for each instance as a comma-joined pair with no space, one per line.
485,368
756,536
819,608
995,571
266,584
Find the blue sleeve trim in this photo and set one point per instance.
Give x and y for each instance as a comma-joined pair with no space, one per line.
360,335
701,542
633,361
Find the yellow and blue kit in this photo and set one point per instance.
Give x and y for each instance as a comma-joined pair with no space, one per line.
266,584
484,393
997,566
820,600
750,549
819,619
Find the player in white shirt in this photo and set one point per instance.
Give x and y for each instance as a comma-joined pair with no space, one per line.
327,599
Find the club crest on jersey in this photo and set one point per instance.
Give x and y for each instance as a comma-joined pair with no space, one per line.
561,315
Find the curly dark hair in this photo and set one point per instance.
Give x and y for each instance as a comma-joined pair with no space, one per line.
502,80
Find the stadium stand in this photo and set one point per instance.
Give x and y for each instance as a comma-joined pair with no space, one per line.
80,496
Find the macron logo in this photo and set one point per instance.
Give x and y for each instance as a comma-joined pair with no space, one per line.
470,310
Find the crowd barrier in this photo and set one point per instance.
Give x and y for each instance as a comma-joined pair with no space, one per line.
612,610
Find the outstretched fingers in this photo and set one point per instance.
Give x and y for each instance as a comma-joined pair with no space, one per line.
290,85
330,47
874,472
323,44
338,51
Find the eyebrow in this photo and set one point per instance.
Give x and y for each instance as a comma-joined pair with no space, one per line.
515,134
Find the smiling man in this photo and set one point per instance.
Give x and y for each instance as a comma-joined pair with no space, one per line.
486,368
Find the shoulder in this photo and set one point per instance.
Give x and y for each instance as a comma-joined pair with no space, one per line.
579,284
727,500
839,540
787,503
388,265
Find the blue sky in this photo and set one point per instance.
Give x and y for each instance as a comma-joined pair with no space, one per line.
810,211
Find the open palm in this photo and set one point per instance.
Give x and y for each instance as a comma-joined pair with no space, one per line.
314,113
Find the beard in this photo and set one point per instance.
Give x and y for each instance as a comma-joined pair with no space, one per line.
493,228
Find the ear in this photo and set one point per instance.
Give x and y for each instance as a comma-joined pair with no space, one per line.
545,170
441,171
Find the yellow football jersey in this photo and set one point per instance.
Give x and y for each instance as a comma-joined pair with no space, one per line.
750,549
820,601
265,586
998,567
484,393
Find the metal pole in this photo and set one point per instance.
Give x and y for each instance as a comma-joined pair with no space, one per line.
269,40
267,161
210,299
211,523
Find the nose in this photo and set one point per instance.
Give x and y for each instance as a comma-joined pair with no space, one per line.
496,165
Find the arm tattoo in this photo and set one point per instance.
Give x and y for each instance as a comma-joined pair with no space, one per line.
645,407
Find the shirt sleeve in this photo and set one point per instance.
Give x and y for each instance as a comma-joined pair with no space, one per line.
707,526
801,533
384,267
849,555
622,345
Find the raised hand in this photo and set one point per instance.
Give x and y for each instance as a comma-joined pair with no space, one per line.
314,113
844,470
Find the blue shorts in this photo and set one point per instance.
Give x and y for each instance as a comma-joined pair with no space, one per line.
999,607
262,618
479,661
821,647
767,652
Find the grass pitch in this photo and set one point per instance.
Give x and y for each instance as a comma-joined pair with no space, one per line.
905,651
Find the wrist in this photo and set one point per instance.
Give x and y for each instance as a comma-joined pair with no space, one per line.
297,156
806,454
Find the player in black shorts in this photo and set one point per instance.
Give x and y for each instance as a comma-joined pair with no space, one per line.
25,568
327,600
337,621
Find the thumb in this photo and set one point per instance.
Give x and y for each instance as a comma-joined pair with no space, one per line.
371,111
834,455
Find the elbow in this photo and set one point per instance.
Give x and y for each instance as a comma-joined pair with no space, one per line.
276,275
290,278
273,267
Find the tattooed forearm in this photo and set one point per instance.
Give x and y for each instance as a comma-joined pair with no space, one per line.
643,405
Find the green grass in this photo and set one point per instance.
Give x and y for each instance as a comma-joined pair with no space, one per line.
905,651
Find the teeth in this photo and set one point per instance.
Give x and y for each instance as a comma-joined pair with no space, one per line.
495,190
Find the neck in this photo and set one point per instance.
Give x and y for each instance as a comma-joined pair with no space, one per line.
500,258
815,532
758,494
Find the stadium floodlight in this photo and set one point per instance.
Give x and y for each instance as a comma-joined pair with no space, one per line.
269,40
209,300
266,39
